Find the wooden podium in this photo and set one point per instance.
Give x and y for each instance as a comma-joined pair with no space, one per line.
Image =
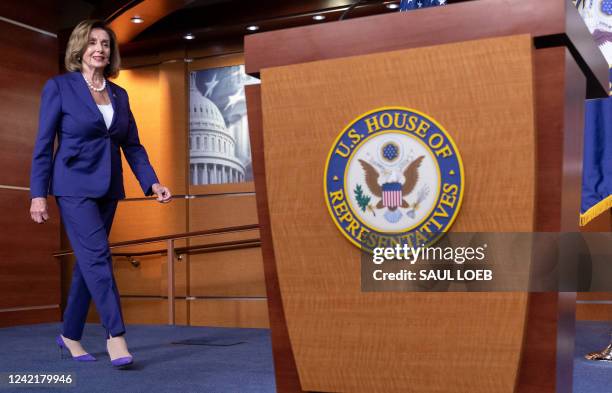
508,82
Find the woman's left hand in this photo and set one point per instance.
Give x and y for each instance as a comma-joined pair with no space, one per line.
162,192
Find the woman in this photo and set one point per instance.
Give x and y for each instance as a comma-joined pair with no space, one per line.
92,120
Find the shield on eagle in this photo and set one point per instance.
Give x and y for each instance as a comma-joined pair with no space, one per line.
392,195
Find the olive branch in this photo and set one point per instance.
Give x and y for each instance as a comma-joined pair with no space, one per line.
362,200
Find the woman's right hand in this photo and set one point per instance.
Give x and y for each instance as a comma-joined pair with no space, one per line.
38,210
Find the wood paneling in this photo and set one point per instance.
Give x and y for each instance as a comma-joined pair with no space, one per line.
246,313
594,296
158,101
171,160
594,312
215,61
152,311
148,218
221,212
29,59
150,278
144,310
29,275
332,324
27,317
549,101
145,103
218,189
247,235
228,273
540,345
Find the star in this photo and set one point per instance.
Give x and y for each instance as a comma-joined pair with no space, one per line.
234,99
441,2
419,4
210,86
239,71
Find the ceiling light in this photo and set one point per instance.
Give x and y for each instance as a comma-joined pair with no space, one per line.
252,28
189,36
318,17
392,6
137,19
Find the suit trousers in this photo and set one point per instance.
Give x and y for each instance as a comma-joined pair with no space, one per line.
88,223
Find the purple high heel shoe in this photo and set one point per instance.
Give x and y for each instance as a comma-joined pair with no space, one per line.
83,358
122,362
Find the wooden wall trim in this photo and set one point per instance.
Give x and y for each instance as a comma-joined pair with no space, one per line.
25,26
13,309
16,188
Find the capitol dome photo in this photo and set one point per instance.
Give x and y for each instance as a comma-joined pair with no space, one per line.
214,151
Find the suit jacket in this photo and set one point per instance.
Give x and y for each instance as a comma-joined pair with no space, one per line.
87,161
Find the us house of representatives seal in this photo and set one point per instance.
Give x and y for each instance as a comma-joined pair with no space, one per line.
393,176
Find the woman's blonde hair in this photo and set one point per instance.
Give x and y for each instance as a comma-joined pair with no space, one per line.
79,39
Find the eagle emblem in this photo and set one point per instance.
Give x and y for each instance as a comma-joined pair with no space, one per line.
393,176
392,193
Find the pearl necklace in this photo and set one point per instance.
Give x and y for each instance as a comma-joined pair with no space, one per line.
92,87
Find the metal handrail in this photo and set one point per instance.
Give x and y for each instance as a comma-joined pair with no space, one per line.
194,196
212,247
179,236
170,250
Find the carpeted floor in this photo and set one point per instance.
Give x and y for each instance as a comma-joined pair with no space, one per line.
233,360
592,377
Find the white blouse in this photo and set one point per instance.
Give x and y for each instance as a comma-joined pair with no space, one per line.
107,113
